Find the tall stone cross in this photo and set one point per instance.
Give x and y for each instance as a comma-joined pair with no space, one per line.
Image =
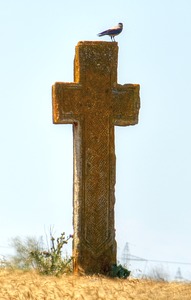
94,103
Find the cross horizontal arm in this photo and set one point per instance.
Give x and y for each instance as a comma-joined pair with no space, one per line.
66,102
125,104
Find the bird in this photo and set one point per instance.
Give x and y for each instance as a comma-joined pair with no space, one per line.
112,32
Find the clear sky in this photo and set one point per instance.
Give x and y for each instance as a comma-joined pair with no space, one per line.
153,190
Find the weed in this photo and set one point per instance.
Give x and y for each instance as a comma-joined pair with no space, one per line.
31,254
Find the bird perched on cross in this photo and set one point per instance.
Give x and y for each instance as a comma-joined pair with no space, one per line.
112,32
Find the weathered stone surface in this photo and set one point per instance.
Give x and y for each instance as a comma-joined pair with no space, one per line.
94,103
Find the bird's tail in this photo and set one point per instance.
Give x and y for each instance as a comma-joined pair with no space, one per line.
102,33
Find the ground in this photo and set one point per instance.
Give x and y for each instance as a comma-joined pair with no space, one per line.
18,285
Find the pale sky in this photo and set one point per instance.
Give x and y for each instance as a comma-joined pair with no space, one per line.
153,189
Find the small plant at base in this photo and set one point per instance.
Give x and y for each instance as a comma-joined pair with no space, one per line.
31,254
119,271
51,262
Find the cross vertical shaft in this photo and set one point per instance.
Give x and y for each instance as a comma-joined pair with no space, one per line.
94,103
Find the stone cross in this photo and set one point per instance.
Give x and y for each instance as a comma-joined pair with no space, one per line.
94,103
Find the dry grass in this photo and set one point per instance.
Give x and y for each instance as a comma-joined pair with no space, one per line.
18,285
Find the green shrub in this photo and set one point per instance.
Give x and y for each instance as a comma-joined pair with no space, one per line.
31,254
51,262
119,271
